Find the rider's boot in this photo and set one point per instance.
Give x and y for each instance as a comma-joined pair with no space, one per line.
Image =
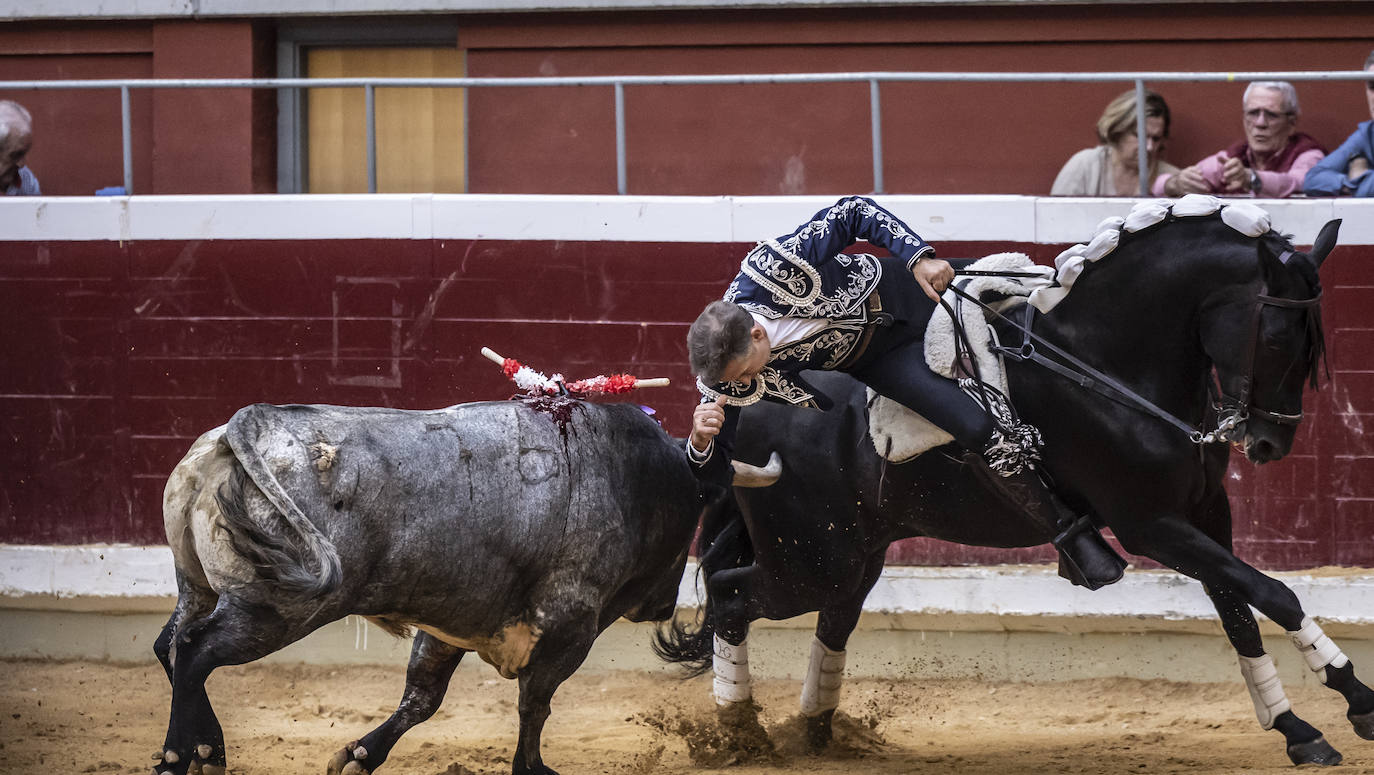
1085,558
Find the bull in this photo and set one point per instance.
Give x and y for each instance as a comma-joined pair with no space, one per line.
518,530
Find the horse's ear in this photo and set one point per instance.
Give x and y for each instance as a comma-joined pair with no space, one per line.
1326,240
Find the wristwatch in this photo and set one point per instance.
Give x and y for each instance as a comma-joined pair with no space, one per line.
1255,183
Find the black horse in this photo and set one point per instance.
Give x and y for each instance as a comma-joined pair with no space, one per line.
1174,303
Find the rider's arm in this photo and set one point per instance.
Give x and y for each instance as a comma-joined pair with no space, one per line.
849,220
713,462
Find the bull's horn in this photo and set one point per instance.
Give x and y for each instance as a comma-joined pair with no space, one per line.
747,475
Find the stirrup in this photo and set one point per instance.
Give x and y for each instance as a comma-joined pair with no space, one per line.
1081,535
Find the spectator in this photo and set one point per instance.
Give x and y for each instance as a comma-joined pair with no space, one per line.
1272,159
1346,171
16,135
1112,169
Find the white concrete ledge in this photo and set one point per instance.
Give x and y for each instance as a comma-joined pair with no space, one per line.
128,579
656,219
1018,623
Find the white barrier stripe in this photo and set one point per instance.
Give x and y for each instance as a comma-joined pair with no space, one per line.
105,576
606,218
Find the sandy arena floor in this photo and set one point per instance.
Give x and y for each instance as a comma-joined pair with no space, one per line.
81,717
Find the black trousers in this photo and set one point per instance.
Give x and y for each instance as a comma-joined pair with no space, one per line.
894,363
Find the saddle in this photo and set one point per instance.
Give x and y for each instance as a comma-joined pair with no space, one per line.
898,433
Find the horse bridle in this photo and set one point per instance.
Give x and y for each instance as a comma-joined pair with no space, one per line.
1231,410
1234,410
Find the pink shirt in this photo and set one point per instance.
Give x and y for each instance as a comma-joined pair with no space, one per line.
1274,185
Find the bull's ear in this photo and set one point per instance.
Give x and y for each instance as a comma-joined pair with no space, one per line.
1326,240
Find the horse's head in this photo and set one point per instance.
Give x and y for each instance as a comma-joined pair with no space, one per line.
1265,340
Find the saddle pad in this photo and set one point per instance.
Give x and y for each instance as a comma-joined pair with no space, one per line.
900,434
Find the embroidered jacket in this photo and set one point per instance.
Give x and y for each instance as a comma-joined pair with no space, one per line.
805,274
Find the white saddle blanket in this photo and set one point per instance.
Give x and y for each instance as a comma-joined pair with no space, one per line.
900,434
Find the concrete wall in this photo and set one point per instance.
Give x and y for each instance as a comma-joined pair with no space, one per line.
999,623
139,323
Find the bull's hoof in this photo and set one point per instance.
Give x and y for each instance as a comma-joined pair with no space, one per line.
169,762
820,731
1314,752
1363,724
347,761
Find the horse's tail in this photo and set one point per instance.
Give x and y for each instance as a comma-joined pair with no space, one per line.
727,545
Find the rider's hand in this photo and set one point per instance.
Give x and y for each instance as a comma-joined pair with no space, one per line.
707,420
934,276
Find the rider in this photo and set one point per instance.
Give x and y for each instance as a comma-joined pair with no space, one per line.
800,303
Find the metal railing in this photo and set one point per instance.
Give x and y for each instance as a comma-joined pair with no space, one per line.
619,82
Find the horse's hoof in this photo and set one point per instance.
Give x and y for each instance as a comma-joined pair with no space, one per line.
1315,752
1363,724
820,731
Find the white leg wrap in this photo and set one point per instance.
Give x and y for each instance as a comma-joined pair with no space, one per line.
1266,691
731,666
824,675
1319,651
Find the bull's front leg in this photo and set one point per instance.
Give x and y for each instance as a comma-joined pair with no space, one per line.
561,649
432,663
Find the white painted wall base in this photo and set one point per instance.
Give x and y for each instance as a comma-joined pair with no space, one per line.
1000,623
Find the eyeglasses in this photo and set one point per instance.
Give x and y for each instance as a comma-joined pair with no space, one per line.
1253,115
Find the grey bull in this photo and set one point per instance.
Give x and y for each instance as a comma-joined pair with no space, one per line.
518,530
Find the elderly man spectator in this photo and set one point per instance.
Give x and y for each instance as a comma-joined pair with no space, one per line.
1271,161
1346,170
16,136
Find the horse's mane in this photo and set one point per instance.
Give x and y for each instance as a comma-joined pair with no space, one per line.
1245,218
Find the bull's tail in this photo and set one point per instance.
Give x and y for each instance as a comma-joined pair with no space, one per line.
727,546
301,558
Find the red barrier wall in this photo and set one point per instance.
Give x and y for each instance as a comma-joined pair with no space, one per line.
117,354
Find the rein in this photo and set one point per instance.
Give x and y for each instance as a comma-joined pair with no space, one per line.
1232,411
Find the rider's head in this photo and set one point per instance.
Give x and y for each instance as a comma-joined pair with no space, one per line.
719,336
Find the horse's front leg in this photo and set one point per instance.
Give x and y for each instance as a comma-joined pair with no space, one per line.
1234,587
1305,743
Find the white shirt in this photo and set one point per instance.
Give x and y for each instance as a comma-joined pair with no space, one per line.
786,330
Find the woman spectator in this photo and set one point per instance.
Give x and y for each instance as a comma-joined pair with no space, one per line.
1111,168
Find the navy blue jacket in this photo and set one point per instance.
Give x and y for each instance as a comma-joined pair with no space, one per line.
806,274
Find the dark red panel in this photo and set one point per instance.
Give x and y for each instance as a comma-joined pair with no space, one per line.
110,378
